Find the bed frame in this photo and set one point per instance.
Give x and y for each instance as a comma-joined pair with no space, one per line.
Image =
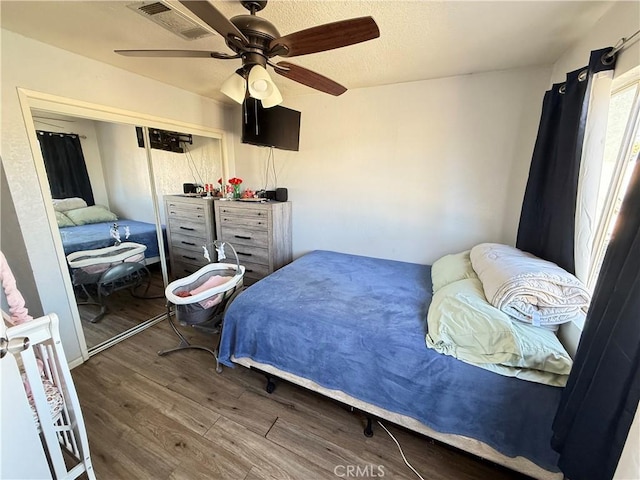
470,445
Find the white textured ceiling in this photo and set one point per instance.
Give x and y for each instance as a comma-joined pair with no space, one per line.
418,40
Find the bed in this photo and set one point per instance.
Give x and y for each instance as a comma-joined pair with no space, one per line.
89,227
96,235
353,328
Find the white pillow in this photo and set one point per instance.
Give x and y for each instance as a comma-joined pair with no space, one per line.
64,204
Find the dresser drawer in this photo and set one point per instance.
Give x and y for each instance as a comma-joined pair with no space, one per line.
185,210
187,227
189,256
245,236
187,242
255,270
181,269
249,253
251,222
243,212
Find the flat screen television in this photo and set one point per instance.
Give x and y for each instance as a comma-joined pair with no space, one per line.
277,127
164,140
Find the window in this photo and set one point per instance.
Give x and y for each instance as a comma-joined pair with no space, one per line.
620,155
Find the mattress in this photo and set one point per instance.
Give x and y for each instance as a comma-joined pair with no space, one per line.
357,325
96,235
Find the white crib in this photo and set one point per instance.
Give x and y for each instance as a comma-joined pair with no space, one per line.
53,397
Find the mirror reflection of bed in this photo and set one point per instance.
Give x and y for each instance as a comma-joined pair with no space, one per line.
113,204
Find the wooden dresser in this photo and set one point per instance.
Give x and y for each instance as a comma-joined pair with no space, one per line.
260,233
190,225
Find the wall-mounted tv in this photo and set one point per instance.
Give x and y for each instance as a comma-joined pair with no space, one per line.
164,140
277,126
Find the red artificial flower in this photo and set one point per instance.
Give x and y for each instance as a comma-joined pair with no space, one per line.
220,181
235,181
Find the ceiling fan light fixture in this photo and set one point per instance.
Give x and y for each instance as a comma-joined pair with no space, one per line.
235,87
260,84
273,100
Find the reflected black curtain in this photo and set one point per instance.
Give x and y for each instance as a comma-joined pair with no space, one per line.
602,393
547,220
65,166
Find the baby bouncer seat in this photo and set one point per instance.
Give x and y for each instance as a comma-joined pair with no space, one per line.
103,271
200,299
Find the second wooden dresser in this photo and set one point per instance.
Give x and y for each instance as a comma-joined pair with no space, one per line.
190,225
260,233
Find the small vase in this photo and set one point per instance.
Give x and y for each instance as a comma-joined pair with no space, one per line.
236,191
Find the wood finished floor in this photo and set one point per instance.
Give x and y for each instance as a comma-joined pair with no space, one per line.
173,417
124,310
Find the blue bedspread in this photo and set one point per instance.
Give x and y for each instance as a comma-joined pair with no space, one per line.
96,235
358,325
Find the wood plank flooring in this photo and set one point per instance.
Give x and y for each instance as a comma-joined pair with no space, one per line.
124,310
173,417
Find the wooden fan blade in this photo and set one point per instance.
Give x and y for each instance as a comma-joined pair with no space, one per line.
310,79
175,53
216,20
325,37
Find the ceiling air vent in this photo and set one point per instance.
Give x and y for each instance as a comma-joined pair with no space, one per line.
172,20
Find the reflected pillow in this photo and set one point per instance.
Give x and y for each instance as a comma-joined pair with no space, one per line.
63,220
93,214
64,204
451,268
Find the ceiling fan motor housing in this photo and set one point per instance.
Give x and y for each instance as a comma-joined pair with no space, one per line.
259,32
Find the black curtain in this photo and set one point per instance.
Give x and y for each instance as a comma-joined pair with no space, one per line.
65,166
602,393
547,220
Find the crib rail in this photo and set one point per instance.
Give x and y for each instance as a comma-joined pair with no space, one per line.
66,430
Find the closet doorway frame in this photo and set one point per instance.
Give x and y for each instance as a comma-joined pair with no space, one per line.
31,100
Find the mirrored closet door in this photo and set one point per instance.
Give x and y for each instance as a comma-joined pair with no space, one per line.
107,193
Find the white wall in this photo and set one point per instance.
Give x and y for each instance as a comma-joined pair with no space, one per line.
622,20
408,171
126,171
36,66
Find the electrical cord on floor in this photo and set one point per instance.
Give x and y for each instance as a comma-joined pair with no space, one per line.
401,452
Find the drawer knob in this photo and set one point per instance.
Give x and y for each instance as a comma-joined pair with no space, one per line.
242,237
245,254
189,258
188,243
187,228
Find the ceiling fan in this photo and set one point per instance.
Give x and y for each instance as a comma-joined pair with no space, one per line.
256,41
